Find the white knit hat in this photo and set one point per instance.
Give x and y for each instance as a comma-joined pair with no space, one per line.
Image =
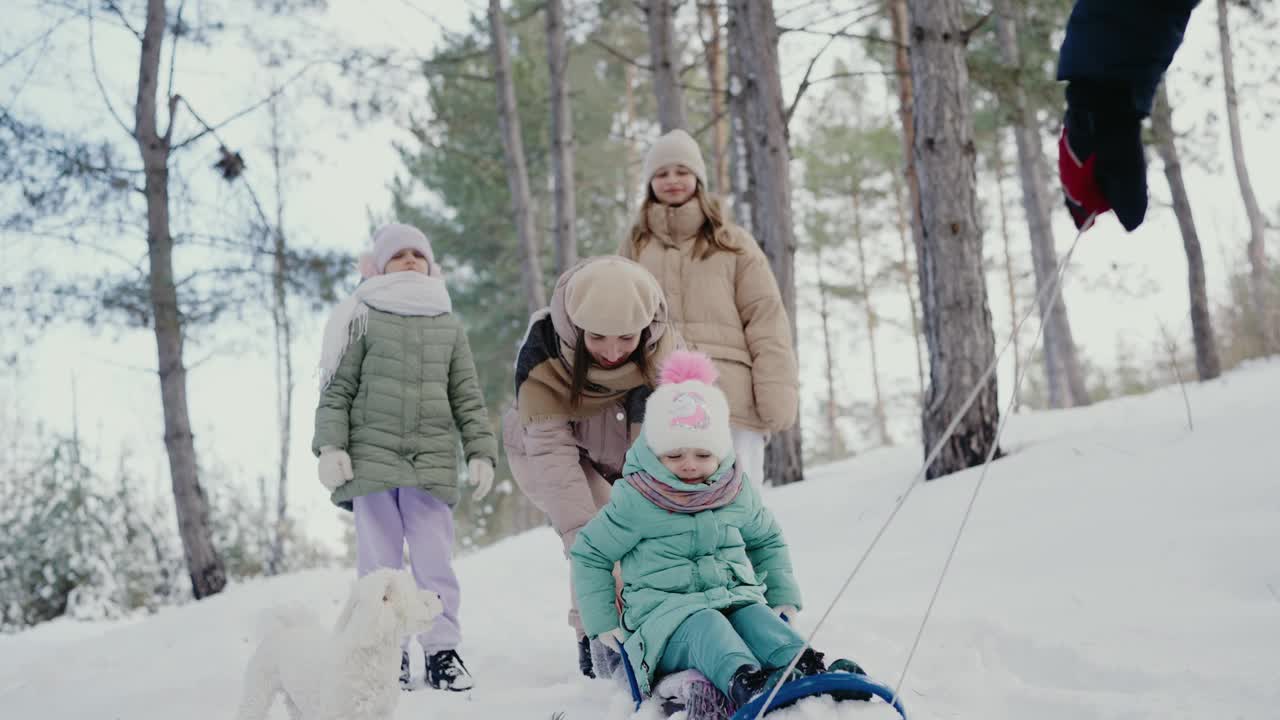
688,410
676,147
391,239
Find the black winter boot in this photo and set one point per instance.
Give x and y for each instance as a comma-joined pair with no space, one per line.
445,671
584,657
750,681
810,663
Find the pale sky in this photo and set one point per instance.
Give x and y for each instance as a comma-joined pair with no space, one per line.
344,173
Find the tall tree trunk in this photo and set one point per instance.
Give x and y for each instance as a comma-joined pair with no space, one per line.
632,170
666,66
864,288
1011,277
1259,282
898,21
284,350
753,43
561,139
835,443
1207,363
513,153
719,117
1061,363
957,321
208,576
909,283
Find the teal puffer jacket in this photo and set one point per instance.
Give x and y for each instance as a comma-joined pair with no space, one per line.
675,564
395,403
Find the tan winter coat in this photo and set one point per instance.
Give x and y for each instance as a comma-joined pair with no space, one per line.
729,307
567,465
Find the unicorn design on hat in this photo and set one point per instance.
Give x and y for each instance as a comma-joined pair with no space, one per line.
689,410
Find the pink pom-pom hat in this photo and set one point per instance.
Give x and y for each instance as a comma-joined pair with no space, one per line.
687,410
687,365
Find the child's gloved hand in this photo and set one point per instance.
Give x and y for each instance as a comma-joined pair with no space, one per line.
613,639
335,467
786,612
480,474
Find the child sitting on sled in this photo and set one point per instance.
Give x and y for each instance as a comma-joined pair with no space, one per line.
706,572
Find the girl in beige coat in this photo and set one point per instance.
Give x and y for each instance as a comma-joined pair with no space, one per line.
583,372
721,295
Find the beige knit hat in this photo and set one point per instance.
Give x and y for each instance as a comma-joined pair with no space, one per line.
676,147
612,296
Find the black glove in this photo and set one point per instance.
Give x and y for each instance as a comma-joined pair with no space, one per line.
1101,162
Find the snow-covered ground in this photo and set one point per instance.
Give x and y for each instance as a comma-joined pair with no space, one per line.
1117,565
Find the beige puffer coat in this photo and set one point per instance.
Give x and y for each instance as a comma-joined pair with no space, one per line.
727,306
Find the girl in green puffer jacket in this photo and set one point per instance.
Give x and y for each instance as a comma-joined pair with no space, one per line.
398,384
707,579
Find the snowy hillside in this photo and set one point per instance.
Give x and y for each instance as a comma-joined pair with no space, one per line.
1117,565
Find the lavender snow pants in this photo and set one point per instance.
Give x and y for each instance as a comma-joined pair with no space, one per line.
384,521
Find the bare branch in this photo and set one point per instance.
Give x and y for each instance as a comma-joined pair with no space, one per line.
969,31
93,61
840,34
115,8
804,81
41,38
619,54
213,129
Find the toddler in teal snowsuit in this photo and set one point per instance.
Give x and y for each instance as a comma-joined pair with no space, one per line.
705,568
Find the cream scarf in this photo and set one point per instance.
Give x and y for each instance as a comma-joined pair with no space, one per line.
400,293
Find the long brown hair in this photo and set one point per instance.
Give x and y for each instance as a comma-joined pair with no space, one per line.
582,363
712,237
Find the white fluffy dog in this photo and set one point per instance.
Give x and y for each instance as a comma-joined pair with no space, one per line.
349,673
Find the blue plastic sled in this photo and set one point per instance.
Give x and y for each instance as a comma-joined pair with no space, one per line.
839,685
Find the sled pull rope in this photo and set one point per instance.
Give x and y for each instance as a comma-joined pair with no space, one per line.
1049,290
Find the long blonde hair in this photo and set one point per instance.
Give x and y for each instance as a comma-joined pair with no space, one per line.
711,238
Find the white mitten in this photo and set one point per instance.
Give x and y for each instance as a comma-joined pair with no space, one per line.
613,639
480,474
335,467
786,612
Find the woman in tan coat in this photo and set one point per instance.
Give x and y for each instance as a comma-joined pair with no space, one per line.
721,294
584,370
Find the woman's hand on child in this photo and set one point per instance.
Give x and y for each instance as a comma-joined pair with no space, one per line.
612,639
480,474
335,467
786,612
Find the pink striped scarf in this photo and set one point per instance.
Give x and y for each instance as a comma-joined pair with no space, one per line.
710,497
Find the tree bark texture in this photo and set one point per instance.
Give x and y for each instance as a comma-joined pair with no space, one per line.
952,284
284,351
562,144
835,443
753,43
1061,363
1010,277
1259,281
1208,365
897,11
208,576
666,66
908,280
513,154
720,117
869,316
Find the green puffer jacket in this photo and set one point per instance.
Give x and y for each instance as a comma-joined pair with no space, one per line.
675,564
395,401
